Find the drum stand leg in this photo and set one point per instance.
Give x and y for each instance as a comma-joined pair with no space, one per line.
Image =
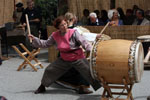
108,94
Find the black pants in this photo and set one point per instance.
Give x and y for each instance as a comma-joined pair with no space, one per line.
72,76
59,67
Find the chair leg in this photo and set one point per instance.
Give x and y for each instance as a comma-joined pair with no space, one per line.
38,62
20,67
27,60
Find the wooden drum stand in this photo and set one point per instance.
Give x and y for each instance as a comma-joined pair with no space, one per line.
108,94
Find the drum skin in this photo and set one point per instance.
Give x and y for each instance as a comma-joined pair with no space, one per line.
112,61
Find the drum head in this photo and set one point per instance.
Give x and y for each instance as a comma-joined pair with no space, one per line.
139,64
144,38
105,37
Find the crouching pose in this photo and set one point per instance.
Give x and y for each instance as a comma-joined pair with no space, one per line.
68,42
72,78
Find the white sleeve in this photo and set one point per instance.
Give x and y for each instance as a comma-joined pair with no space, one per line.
89,36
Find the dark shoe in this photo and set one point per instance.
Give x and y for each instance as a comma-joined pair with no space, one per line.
41,89
148,98
84,90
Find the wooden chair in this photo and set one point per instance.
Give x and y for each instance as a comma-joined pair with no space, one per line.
28,57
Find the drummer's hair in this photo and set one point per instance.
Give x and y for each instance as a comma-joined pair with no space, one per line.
58,20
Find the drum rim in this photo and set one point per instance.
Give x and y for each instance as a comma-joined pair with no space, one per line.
138,78
133,61
91,56
143,37
92,71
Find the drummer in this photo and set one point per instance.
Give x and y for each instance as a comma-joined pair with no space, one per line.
73,77
68,42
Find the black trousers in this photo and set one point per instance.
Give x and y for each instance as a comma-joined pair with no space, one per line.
59,67
72,76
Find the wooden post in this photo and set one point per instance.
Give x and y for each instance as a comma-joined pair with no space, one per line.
112,4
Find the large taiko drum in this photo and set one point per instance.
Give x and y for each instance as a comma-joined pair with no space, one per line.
114,60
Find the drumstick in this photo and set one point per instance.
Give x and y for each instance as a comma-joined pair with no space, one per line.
104,28
28,27
147,57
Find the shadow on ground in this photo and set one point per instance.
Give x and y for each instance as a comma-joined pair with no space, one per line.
89,97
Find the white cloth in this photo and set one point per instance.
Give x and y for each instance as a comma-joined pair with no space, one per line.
87,35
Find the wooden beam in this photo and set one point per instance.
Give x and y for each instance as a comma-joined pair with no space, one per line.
112,4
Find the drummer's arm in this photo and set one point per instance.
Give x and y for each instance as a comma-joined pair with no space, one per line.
81,40
98,36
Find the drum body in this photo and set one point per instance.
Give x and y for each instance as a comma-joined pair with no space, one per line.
145,39
117,59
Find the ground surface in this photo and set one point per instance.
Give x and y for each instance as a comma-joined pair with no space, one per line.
20,85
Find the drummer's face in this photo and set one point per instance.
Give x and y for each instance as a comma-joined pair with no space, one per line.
63,26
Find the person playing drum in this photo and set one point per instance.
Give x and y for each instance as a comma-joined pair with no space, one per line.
73,77
68,42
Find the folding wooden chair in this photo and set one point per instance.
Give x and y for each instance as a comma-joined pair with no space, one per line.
28,57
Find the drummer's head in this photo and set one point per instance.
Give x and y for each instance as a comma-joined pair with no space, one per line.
61,23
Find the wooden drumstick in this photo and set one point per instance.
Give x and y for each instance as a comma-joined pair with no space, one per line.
28,27
104,28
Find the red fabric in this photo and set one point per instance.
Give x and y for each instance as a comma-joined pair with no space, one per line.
63,45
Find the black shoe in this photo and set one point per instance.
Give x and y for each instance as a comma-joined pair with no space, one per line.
41,89
84,90
148,98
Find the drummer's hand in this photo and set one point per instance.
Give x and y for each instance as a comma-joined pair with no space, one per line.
98,36
149,49
31,36
87,54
